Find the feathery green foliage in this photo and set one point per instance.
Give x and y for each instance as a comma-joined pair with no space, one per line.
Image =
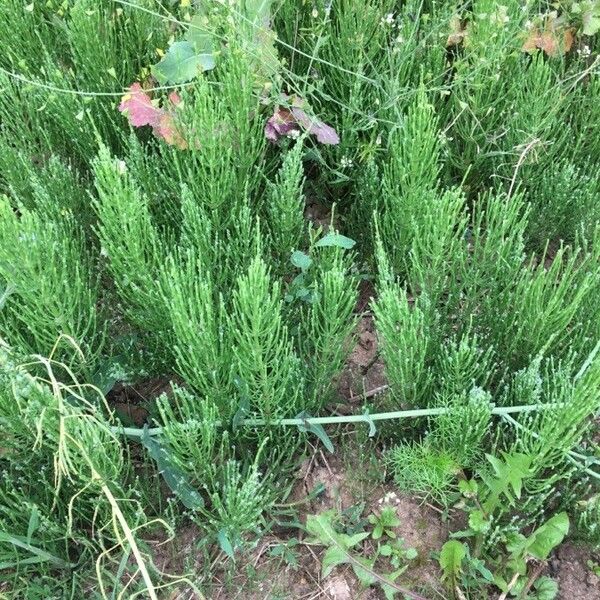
50,290
219,193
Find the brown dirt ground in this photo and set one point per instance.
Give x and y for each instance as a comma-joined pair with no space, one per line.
576,581
261,576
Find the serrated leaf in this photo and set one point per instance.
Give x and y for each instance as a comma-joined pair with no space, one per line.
182,63
336,239
451,556
554,38
316,429
301,260
137,105
478,522
544,539
364,575
334,556
321,527
509,473
176,480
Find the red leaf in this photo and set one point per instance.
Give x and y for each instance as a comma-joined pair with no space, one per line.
138,107
175,98
281,123
167,130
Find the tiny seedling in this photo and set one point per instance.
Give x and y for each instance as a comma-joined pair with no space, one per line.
384,523
286,552
398,553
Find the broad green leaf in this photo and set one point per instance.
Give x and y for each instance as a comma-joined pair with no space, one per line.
389,591
257,10
364,574
322,528
478,522
544,539
545,588
590,18
411,553
225,543
451,557
336,239
176,480
301,260
515,542
198,35
378,531
508,473
482,569
468,487
317,429
182,63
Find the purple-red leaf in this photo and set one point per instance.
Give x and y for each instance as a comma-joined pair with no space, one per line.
281,123
325,133
290,121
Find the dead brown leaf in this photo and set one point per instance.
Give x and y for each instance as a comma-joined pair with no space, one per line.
554,37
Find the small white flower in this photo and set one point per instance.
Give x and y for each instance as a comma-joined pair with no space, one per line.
346,162
388,19
121,167
294,134
315,13
585,51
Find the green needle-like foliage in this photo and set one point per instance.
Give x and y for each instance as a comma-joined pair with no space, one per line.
50,291
285,205
264,358
161,221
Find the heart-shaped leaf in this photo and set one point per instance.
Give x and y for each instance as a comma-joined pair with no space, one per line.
182,63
